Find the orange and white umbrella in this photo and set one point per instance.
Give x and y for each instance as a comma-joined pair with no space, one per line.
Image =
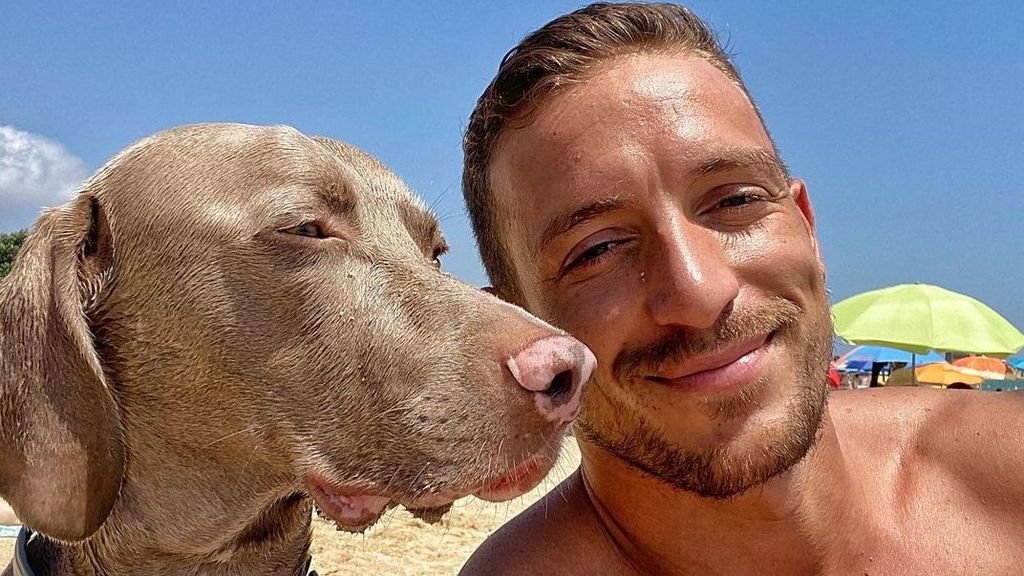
937,374
987,368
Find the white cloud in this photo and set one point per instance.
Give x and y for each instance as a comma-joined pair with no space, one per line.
35,172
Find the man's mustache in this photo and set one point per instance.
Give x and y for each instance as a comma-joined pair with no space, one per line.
681,344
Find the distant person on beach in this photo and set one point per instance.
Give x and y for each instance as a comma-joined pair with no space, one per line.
622,185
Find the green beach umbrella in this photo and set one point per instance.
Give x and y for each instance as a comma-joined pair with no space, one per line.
922,317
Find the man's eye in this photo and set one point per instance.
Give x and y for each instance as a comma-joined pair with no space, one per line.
591,255
737,200
309,229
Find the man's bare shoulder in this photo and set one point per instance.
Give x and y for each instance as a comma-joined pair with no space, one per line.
559,534
927,416
971,437
885,410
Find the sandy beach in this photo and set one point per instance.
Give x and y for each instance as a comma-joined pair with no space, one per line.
402,545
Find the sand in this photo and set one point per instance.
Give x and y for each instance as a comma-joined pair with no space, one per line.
400,544
6,551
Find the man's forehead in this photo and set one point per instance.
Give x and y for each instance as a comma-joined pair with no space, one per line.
631,86
628,98
596,125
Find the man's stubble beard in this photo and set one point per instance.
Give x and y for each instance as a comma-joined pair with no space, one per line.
724,471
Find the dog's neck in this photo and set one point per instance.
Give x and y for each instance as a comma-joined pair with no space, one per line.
275,542
205,491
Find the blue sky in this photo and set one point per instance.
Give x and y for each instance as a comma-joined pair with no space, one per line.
906,119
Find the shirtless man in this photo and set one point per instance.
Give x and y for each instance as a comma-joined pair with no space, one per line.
622,185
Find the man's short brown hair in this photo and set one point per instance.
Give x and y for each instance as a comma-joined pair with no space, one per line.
560,54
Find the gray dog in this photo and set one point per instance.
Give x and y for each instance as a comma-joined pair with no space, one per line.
228,320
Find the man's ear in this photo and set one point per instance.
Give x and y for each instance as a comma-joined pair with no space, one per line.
61,452
798,188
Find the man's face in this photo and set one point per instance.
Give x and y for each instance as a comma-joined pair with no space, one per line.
645,212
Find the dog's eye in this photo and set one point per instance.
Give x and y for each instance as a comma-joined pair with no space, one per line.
309,229
438,252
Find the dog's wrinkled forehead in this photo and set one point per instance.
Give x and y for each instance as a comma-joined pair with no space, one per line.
240,178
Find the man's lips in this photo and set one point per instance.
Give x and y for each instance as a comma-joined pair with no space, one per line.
725,368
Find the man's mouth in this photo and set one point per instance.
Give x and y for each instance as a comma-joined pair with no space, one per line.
356,508
726,368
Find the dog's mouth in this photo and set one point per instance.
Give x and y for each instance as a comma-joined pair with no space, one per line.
350,508
517,481
356,508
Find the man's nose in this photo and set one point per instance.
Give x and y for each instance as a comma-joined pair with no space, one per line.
689,280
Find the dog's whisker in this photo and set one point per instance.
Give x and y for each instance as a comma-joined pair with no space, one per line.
440,196
391,480
400,407
248,428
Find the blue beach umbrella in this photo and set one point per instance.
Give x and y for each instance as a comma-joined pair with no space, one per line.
861,358
1016,361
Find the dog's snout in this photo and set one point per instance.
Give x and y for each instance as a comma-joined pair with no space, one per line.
561,387
554,369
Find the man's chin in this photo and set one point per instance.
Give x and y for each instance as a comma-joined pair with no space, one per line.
750,448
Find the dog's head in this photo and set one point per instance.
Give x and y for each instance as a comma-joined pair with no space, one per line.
238,313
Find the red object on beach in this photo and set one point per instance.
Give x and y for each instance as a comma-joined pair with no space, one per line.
833,376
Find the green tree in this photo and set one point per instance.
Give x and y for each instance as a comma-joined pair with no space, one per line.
10,243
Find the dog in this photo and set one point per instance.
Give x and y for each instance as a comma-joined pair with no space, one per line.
229,323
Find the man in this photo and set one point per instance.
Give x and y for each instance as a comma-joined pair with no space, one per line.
622,185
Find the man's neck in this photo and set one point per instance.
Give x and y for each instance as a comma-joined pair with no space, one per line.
766,528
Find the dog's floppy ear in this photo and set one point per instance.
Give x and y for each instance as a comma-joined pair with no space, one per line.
61,453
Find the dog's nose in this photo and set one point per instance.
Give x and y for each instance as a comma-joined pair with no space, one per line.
554,369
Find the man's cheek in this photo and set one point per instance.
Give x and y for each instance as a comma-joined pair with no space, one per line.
598,314
787,263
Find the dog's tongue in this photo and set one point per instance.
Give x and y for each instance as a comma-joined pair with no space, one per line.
357,511
353,512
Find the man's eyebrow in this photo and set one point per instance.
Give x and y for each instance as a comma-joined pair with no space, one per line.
736,158
564,222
